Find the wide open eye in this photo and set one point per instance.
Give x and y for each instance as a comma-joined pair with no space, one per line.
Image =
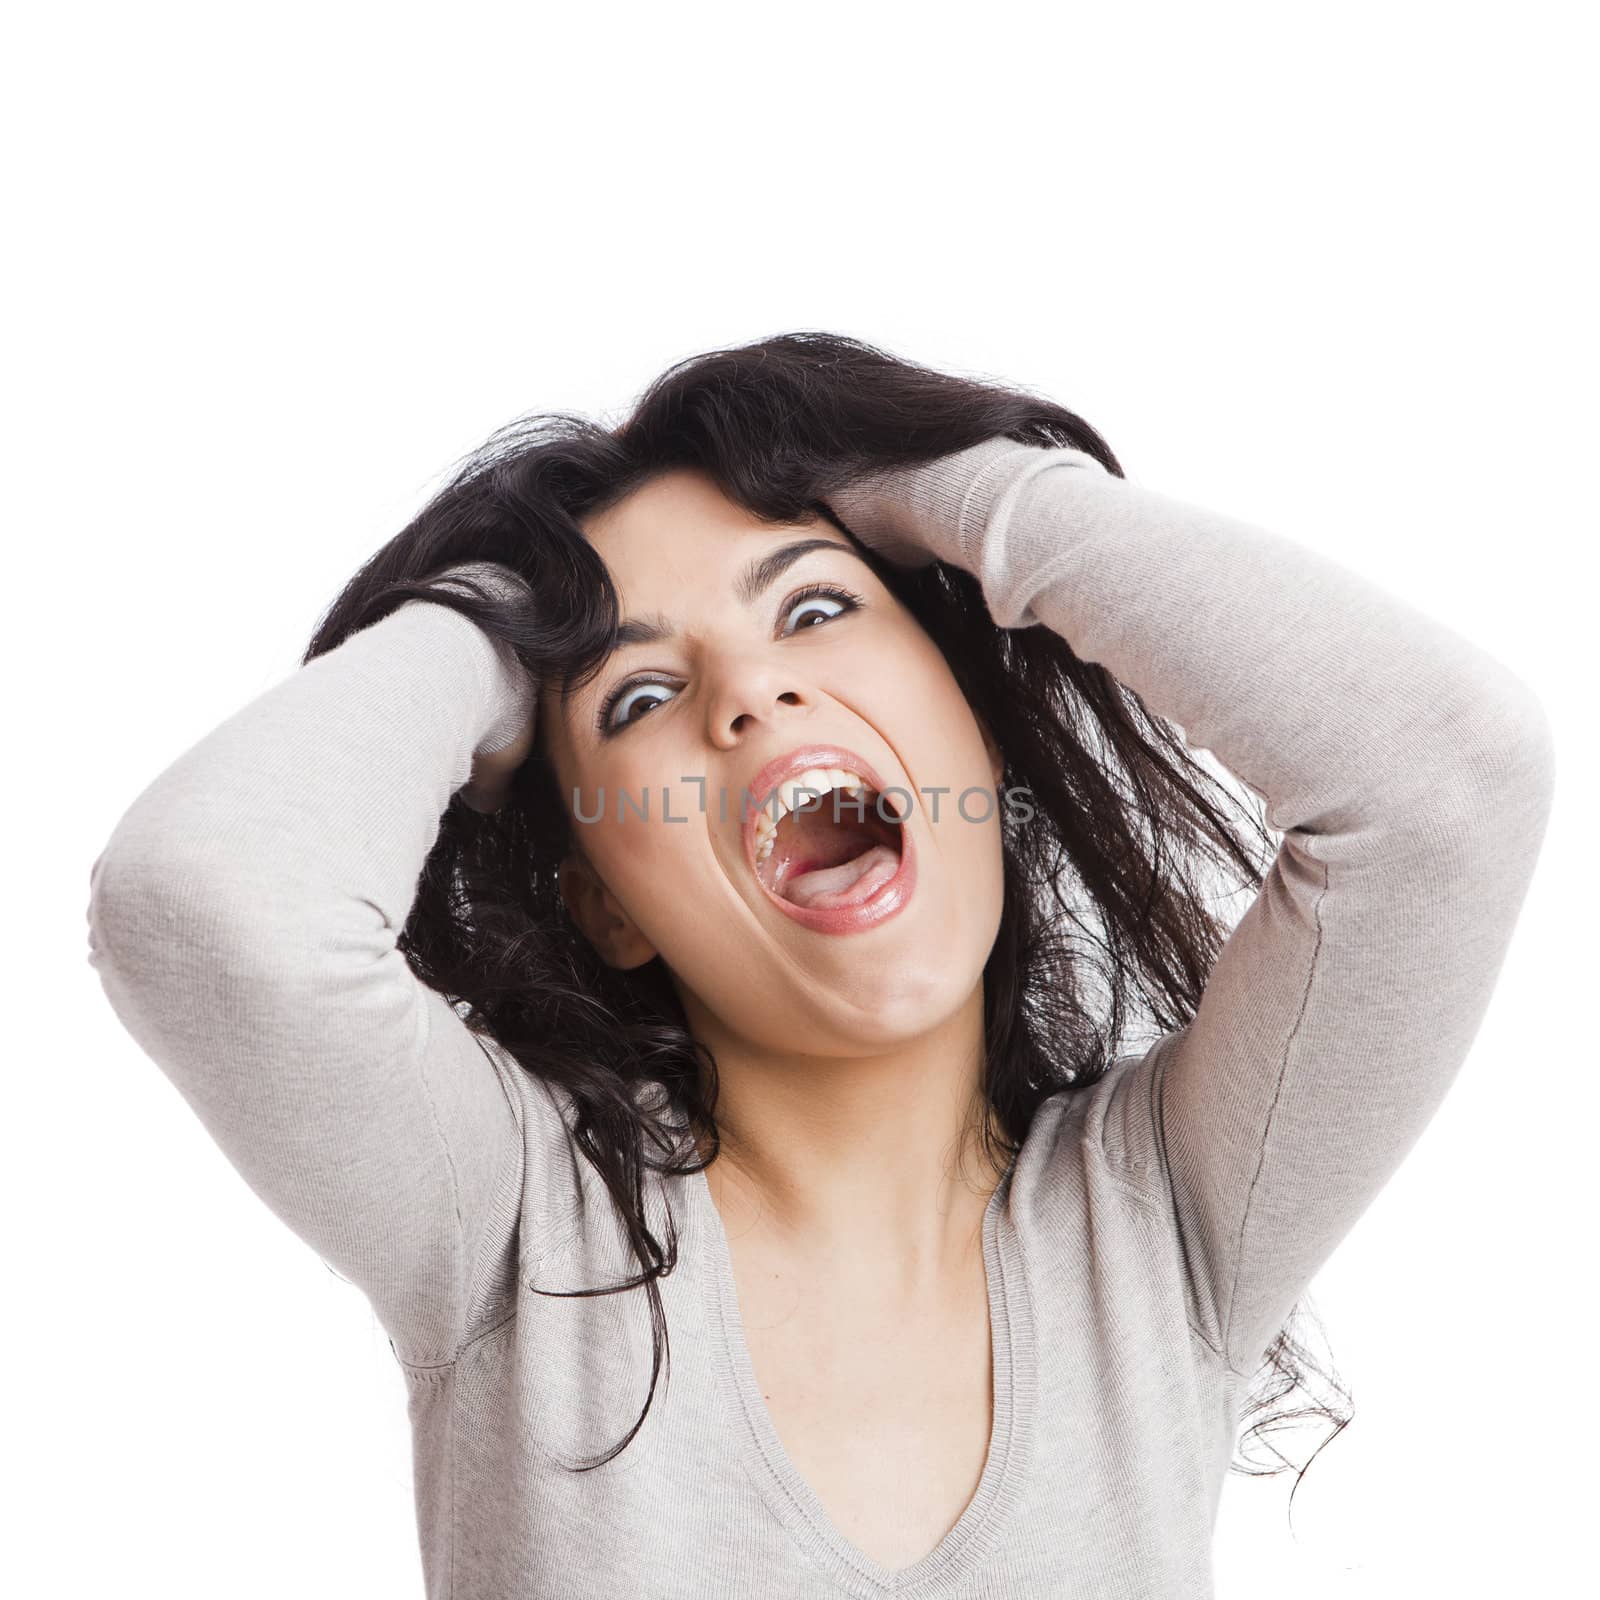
623,703
817,603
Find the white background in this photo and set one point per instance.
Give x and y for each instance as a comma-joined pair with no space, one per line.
273,269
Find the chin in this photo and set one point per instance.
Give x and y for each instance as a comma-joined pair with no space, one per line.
909,1001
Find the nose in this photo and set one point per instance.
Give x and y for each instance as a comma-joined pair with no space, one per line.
750,694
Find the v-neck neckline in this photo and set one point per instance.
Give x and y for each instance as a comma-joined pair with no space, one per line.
785,1490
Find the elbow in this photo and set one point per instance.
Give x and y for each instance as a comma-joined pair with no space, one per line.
164,947
1495,783
136,903
162,925
127,952
1509,751
115,910
181,932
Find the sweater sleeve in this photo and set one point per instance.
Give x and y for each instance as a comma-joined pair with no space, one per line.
243,920
1410,774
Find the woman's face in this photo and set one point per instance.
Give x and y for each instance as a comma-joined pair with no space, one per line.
680,727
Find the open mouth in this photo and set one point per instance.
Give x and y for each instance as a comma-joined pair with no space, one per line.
828,850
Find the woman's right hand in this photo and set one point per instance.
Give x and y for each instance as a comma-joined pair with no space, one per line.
492,767
490,783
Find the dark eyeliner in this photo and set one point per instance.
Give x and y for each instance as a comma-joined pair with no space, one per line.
829,591
605,729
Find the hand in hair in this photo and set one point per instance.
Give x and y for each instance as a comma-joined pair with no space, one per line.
490,783
510,742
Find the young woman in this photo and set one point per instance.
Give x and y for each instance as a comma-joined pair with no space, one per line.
754,856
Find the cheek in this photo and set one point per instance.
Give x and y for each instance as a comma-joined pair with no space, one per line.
942,747
660,863
970,838
678,894
964,820
919,679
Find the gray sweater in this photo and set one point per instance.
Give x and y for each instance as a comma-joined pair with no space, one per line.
1146,1243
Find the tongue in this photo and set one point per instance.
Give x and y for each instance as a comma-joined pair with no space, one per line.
845,884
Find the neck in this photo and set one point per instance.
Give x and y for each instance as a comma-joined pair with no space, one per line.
877,1158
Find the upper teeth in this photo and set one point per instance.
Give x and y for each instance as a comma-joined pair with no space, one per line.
803,786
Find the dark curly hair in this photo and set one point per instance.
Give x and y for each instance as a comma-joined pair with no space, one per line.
1106,929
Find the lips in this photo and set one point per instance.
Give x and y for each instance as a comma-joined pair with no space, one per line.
891,892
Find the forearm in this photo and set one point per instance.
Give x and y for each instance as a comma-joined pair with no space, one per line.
1331,697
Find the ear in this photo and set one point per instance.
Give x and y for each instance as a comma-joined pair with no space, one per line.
997,762
600,917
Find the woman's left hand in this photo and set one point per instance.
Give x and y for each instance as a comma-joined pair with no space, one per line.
875,507
912,515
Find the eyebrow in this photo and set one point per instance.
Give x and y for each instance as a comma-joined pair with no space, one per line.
758,576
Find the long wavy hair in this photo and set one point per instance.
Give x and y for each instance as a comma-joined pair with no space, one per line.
1106,930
